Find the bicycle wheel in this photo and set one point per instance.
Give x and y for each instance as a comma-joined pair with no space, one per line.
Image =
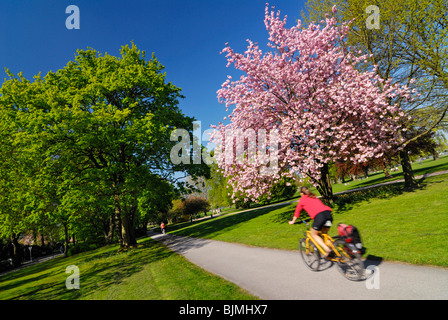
350,264
310,255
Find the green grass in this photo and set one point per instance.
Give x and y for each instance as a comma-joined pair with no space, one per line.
402,226
150,271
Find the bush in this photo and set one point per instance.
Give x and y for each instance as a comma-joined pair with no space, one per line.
82,247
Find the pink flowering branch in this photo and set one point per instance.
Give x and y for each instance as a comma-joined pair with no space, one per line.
308,88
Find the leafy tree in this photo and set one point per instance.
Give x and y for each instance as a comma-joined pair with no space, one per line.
102,126
218,188
176,212
195,205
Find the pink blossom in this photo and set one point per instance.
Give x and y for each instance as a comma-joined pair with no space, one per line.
308,89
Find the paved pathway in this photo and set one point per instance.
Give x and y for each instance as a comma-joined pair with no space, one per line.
273,274
35,261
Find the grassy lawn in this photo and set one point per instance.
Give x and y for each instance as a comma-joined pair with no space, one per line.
150,271
409,227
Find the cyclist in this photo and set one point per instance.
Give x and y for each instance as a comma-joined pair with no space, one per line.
320,213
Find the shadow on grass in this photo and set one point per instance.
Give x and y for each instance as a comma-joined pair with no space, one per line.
216,226
346,201
99,270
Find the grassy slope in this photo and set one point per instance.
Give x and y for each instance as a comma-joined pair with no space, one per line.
150,271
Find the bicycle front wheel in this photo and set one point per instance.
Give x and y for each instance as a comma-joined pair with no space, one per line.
310,254
350,264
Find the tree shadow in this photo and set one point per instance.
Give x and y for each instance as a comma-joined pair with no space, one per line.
180,244
284,216
346,201
98,270
219,225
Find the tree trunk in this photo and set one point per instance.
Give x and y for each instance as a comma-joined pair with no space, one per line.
117,217
17,254
366,171
127,231
108,229
324,184
66,241
387,175
435,156
409,179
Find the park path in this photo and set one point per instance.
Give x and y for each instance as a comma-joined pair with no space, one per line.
273,274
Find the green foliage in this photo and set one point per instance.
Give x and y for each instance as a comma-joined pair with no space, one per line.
219,190
90,143
195,205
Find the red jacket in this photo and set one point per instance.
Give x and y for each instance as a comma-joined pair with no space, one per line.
312,206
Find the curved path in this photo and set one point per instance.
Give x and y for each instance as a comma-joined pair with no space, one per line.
273,274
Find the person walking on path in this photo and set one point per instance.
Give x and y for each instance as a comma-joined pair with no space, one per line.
320,213
162,227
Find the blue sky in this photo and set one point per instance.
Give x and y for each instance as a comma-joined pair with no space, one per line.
185,35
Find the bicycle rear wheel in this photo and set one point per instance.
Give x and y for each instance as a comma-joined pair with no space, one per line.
310,254
350,264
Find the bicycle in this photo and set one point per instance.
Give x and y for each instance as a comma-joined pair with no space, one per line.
345,256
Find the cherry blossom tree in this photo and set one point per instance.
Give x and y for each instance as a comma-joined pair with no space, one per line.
309,90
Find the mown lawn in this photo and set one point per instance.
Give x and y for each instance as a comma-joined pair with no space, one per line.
150,271
395,225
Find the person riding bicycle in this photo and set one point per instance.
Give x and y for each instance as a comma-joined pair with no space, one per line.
317,211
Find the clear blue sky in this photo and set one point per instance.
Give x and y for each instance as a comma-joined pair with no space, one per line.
185,35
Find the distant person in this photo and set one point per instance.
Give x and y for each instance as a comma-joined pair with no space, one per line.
320,213
163,227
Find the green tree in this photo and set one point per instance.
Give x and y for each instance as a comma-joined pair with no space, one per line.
195,205
102,125
218,188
